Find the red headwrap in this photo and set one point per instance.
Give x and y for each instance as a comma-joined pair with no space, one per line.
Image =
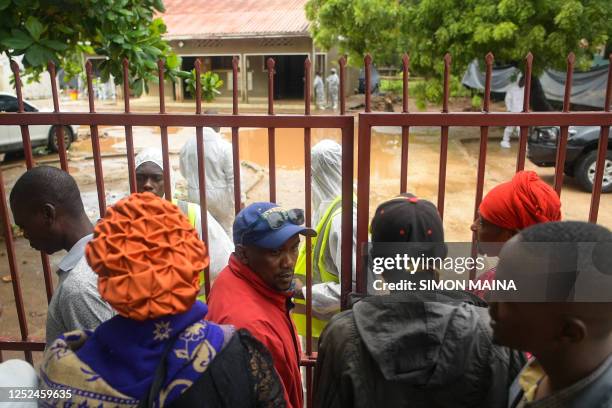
524,201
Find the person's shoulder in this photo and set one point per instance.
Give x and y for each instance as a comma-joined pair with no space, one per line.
341,328
80,278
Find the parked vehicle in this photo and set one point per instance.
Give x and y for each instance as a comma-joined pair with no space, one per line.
581,158
40,135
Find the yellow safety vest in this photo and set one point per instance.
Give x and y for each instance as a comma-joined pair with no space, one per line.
191,210
320,274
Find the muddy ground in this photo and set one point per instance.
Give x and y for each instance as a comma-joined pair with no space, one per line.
385,171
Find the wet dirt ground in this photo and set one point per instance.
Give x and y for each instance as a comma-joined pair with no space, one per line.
385,171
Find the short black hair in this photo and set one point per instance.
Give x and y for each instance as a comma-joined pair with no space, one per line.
46,184
567,245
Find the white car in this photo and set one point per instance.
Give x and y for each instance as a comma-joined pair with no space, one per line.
40,135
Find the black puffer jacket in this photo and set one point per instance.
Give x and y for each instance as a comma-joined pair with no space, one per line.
425,349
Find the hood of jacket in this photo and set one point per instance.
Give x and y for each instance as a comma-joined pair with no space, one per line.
423,338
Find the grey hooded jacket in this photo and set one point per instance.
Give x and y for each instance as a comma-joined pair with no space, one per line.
425,349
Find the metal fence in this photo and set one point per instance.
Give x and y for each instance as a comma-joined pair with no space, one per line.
306,121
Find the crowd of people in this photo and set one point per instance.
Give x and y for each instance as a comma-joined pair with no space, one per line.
128,324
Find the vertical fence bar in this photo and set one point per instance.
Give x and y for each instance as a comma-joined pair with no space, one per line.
342,65
562,144
164,133
202,172
308,207
25,131
348,161
129,137
444,139
482,154
27,148
10,251
271,132
363,192
601,153
368,67
95,143
59,130
405,129
235,141
524,130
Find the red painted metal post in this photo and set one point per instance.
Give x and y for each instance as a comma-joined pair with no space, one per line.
129,138
308,208
405,129
601,152
363,192
95,143
368,67
562,144
520,161
10,251
202,172
342,64
59,130
271,132
482,154
27,148
444,139
346,245
235,141
164,133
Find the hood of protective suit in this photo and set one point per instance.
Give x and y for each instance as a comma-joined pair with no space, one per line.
424,338
154,155
326,176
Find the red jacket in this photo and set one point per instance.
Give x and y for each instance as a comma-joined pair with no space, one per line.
241,298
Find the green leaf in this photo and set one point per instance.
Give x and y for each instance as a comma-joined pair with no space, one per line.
139,87
54,45
34,27
173,61
38,55
18,41
4,4
152,51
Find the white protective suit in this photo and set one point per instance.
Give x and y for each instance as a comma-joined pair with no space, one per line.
333,85
326,186
16,374
219,171
514,103
319,91
219,246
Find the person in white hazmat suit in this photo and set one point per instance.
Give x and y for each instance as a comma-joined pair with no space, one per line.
319,91
150,177
326,246
333,87
219,171
514,103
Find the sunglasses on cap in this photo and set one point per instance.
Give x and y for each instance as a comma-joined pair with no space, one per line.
276,218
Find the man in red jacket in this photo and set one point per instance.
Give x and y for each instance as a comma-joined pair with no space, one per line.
254,291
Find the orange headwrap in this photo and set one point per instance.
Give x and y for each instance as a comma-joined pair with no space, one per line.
147,257
524,201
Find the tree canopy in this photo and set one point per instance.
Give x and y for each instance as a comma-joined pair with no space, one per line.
467,29
65,30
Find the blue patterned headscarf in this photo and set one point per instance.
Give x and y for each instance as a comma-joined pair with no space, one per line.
115,365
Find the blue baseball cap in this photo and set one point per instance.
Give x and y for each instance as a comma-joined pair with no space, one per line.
251,228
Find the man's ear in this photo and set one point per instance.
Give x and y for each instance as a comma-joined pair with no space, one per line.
241,253
573,330
49,213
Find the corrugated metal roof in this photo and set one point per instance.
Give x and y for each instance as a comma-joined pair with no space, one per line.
234,18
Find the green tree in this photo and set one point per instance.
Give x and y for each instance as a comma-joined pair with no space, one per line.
64,31
467,29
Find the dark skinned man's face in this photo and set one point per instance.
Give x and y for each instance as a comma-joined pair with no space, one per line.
274,266
150,178
489,236
40,226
